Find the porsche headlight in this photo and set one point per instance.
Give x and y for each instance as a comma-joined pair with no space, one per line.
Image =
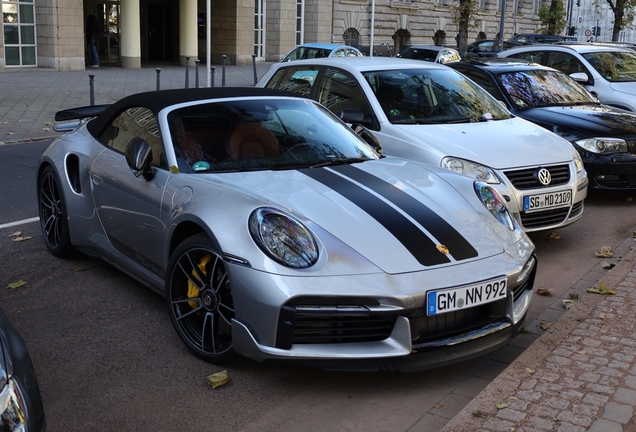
578,162
603,145
283,238
495,203
471,169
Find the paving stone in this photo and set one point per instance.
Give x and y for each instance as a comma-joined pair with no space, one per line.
618,412
602,425
625,396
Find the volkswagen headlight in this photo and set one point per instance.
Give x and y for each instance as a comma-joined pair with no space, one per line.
495,203
474,170
603,145
283,238
578,162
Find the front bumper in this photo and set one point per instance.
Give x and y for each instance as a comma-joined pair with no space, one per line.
614,172
523,182
388,336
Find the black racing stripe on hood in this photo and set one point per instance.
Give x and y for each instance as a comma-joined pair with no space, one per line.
413,238
457,245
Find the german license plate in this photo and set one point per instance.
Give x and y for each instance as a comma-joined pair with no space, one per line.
448,300
547,200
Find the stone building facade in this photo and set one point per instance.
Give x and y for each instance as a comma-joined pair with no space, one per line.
50,33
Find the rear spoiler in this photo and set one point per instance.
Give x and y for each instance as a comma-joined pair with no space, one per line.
69,119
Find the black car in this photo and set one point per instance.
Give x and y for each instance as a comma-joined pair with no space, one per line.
488,48
604,136
21,406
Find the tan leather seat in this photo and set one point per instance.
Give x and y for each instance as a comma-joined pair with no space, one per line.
252,140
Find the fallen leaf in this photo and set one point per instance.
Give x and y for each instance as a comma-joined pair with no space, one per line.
601,315
80,269
628,199
544,291
501,406
574,296
218,379
553,236
568,303
20,239
530,371
545,325
581,352
47,124
46,129
16,234
605,252
438,406
17,284
479,414
608,265
10,133
601,290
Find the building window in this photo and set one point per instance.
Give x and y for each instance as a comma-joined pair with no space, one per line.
351,37
18,26
300,21
259,28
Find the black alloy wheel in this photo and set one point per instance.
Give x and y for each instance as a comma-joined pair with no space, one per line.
199,299
53,217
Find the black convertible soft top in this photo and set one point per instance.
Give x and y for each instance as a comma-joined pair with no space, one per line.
158,100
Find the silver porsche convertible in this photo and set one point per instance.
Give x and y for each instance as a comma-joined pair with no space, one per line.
277,232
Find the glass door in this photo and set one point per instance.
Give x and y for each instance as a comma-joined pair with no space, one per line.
108,43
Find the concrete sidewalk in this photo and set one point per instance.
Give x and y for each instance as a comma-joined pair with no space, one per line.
30,97
580,375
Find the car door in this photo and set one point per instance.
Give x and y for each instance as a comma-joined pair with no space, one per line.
129,207
340,92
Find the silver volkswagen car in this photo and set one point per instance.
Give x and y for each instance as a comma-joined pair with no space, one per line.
431,113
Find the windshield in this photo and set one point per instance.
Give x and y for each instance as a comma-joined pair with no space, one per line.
615,66
542,88
432,96
261,134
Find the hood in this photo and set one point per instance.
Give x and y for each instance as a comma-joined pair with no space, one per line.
499,144
593,120
398,215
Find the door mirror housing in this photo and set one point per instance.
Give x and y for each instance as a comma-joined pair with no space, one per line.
139,158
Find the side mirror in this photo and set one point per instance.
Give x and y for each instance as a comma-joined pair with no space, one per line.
580,77
352,115
368,137
139,158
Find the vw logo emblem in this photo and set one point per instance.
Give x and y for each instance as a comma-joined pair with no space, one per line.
544,177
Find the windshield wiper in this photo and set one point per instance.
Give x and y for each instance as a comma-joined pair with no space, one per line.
339,162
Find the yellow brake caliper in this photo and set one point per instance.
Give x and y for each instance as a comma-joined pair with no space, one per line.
193,291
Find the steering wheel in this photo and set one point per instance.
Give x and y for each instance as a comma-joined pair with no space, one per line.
293,151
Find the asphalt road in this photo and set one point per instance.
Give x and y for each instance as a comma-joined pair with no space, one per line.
108,358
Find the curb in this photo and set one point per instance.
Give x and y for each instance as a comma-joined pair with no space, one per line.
541,374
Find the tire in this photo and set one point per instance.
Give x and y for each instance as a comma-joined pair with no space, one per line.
199,299
53,216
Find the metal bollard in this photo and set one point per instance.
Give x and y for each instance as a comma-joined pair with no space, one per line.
196,73
223,71
254,64
91,86
158,80
187,72
212,69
